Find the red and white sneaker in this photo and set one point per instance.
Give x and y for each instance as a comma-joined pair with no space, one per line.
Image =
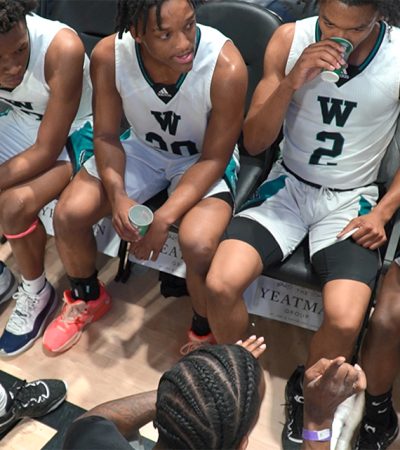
196,341
67,328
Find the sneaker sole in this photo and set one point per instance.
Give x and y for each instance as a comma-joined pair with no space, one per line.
7,295
45,322
75,338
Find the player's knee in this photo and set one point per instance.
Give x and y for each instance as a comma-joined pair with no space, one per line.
220,290
65,218
15,210
345,329
385,325
197,254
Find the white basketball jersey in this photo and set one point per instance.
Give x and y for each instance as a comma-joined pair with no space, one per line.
179,125
336,134
30,98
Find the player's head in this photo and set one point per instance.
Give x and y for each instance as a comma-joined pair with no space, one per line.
14,41
166,30
209,399
355,20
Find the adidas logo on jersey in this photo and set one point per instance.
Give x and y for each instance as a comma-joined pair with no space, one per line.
163,93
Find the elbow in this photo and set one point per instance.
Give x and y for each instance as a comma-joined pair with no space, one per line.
252,145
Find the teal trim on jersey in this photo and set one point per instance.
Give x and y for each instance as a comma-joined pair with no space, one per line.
317,31
5,112
365,206
125,135
231,174
141,65
181,78
80,146
374,51
267,190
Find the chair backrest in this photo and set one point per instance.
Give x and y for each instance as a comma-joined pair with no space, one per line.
248,25
92,19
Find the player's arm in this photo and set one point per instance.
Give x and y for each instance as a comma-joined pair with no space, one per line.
63,73
371,227
273,94
127,413
228,91
109,153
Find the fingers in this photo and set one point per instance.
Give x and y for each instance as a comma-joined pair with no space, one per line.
254,345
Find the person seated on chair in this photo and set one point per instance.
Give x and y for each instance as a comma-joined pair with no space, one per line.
334,138
174,80
380,356
45,85
34,399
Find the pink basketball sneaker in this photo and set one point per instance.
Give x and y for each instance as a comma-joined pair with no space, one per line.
64,331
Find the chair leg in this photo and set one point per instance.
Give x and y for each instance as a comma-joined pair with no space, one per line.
124,266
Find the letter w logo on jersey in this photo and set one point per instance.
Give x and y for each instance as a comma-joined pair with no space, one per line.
168,120
332,108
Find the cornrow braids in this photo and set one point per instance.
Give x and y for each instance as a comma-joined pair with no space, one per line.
209,399
388,9
129,12
12,11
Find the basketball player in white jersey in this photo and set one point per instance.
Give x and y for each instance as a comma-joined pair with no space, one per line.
335,135
45,86
182,88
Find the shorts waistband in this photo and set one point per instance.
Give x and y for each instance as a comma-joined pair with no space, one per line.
318,186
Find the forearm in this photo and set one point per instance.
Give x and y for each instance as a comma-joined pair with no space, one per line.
25,166
128,413
192,187
110,161
262,127
390,202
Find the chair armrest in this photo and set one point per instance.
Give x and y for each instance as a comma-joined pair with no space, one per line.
392,243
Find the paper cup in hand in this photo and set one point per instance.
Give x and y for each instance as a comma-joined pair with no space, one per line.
333,76
140,217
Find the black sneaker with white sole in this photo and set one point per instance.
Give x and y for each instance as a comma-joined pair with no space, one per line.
34,399
293,428
377,437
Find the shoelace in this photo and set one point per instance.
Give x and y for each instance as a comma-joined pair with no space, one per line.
72,312
190,346
25,304
23,394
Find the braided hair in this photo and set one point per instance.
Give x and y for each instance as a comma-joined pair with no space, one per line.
12,11
388,9
209,399
129,12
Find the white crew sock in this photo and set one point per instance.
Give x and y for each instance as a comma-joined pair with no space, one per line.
34,286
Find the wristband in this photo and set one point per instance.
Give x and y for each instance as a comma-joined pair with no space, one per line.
320,435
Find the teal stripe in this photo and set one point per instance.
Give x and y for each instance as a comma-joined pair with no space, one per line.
231,174
374,51
141,65
365,206
267,190
317,31
81,145
5,112
125,135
